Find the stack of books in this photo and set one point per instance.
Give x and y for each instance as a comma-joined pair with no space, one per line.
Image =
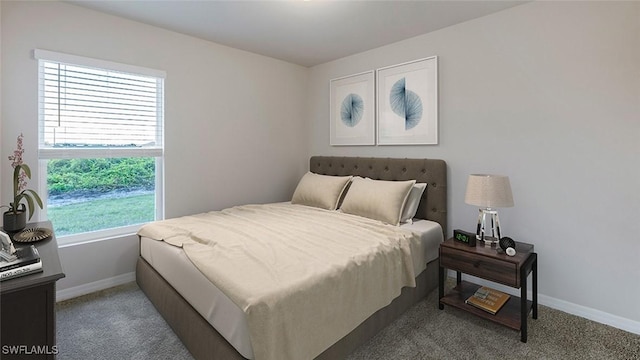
27,262
488,299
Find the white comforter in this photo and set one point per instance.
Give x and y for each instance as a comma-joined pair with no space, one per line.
305,277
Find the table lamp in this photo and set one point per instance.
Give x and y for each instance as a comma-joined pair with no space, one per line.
488,192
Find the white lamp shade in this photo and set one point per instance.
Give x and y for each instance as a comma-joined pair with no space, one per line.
488,191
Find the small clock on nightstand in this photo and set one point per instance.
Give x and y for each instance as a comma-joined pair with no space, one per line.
464,237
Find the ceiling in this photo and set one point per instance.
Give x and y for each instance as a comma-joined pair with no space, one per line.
301,32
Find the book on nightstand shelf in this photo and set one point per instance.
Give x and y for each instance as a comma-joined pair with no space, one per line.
488,299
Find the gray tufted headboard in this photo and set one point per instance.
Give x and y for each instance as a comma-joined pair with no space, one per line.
433,205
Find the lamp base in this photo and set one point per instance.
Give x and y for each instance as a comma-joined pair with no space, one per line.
482,227
491,241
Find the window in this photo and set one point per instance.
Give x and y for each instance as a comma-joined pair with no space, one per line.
100,145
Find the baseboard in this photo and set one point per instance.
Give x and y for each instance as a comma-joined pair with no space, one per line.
599,316
84,289
591,314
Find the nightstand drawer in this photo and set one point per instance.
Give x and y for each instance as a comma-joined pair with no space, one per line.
488,268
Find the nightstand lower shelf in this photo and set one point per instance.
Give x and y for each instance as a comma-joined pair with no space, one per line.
508,315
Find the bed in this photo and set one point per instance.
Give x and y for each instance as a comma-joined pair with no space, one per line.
192,324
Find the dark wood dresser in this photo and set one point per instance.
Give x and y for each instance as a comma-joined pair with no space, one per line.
27,316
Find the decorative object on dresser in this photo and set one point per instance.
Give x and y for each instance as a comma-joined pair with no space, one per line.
32,235
407,100
486,263
7,250
15,218
489,192
27,306
352,110
17,262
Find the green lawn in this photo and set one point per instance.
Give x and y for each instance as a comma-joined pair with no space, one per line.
102,214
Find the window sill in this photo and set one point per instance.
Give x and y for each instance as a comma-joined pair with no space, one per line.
95,236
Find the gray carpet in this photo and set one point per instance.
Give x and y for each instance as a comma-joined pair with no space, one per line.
121,323
117,323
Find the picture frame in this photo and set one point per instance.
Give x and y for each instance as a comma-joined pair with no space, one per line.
407,103
352,110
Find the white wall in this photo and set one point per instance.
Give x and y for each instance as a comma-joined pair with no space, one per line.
547,93
232,118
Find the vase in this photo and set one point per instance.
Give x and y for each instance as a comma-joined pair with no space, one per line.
15,222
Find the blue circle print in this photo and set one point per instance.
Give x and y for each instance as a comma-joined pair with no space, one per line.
351,110
406,104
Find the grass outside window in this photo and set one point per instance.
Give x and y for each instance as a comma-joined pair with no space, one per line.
102,213
87,195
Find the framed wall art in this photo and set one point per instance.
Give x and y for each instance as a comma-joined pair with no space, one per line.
407,98
352,110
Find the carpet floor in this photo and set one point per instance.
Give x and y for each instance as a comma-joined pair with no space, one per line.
121,323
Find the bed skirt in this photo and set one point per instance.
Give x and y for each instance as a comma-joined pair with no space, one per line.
204,342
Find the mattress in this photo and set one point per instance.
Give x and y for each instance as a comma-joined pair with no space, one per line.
224,315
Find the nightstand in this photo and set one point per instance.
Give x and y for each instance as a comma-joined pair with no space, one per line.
486,263
27,313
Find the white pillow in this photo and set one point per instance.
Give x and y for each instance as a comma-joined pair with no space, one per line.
377,199
413,201
321,191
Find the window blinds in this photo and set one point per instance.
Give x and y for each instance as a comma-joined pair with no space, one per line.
95,108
